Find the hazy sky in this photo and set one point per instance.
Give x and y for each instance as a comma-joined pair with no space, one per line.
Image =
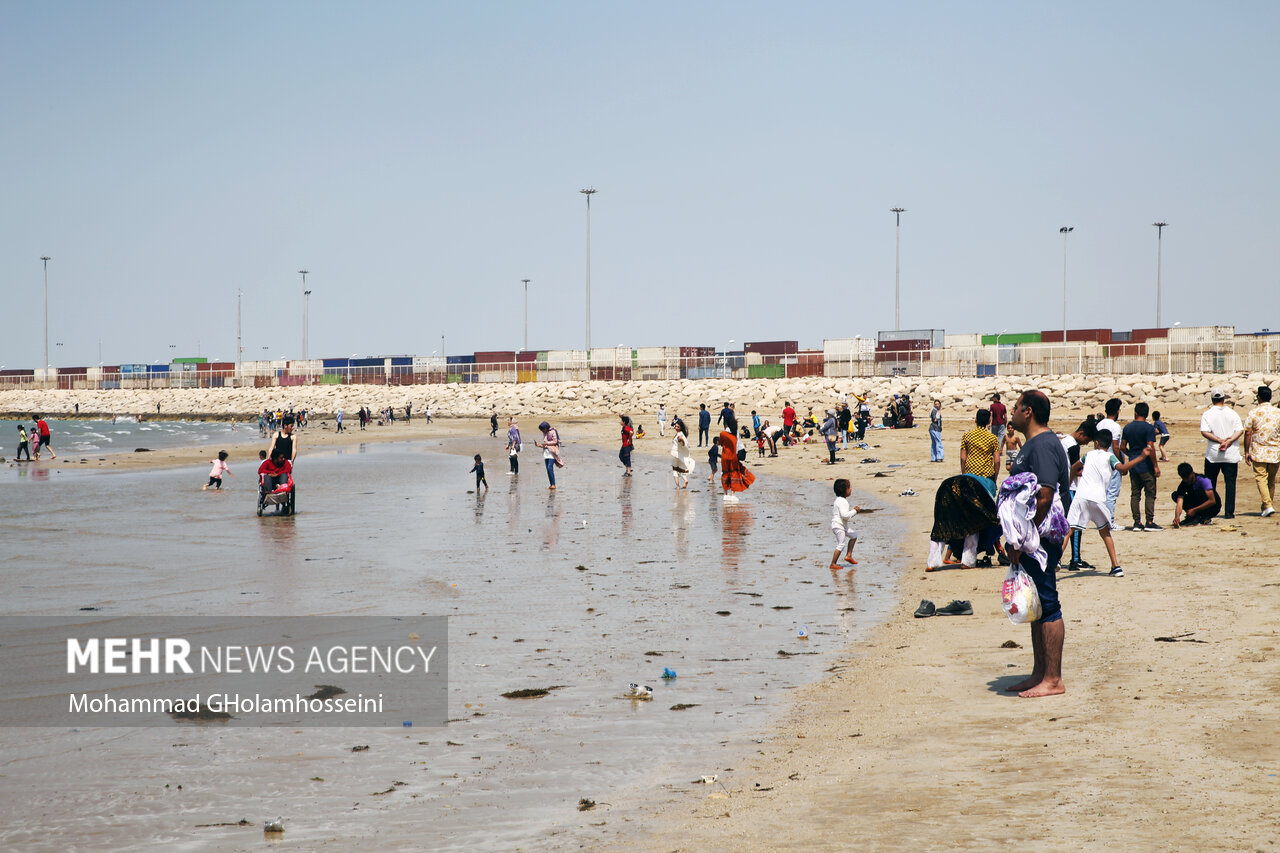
421,158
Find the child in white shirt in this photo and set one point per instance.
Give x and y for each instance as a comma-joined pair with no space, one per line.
1090,502
842,525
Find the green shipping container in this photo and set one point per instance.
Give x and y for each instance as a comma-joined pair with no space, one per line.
766,371
330,379
191,360
1012,338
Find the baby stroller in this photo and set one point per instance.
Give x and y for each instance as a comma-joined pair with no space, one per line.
276,487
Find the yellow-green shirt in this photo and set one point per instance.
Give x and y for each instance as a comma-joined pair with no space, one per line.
980,446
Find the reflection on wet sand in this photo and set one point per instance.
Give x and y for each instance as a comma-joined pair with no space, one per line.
736,522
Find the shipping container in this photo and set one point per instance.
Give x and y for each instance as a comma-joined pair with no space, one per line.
190,360
1201,334
904,345
429,364
772,347
495,357
526,356
460,359
767,371
220,366
523,375
986,370
1012,338
157,368
972,340
697,352
335,362
1054,336
935,337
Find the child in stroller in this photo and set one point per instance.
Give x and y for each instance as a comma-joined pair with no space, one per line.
275,484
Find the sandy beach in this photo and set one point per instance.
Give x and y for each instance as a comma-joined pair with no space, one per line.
1168,737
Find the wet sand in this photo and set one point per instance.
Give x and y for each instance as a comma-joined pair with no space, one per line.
608,580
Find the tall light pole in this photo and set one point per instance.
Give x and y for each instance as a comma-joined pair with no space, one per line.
998,334
588,192
897,261
46,260
306,294
1159,226
1064,231
239,338
526,313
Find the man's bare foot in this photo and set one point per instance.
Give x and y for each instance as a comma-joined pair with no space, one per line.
850,560
1025,684
1044,688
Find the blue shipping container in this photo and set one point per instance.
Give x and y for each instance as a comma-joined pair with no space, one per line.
402,361
336,362
986,370
368,362
158,368
460,359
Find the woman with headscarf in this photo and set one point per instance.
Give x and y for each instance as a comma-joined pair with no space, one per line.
628,434
681,459
830,431
550,445
734,476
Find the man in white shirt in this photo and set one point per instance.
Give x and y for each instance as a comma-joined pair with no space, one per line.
1222,429
1110,424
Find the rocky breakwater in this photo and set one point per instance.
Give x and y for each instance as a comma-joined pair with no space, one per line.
641,398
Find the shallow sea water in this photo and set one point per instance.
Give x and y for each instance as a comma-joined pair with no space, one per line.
711,591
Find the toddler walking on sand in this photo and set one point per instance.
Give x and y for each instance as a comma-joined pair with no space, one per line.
215,473
478,470
842,525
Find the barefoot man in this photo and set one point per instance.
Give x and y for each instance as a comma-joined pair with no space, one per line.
1043,456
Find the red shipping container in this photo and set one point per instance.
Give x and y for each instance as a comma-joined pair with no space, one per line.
496,357
527,356
1140,335
909,345
772,347
1102,336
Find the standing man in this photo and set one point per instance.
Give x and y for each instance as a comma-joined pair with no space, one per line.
662,419
43,426
788,420
1111,425
999,417
935,432
493,422
844,418
729,419
1222,430
1138,435
408,411
338,418
428,413
1043,456
1262,447
704,424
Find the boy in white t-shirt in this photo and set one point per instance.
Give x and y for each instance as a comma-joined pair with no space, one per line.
842,525
1090,502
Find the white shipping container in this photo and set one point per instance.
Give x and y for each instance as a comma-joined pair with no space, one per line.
429,364
974,340
1200,334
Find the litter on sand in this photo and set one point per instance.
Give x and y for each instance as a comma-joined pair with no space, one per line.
908,493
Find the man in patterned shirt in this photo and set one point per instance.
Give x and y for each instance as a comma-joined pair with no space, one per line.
1262,446
979,450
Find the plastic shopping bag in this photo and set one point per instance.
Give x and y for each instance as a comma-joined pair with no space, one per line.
936,550
1021,601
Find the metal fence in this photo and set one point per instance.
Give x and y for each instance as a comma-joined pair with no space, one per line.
1241,354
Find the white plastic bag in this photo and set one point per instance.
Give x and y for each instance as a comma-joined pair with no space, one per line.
936,550
1019,596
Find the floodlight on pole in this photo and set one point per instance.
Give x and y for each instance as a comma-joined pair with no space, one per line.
1159,226
897,262
588,192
